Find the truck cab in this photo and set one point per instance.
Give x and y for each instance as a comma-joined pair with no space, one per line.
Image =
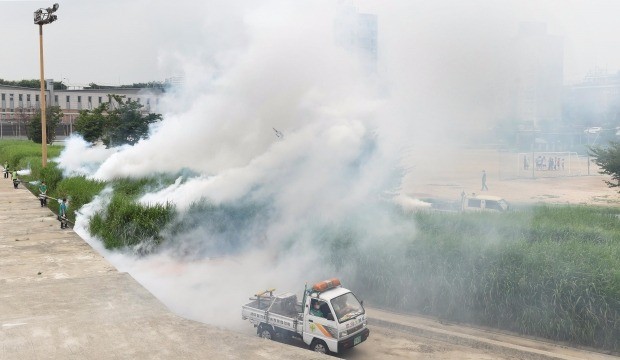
334,319
330,318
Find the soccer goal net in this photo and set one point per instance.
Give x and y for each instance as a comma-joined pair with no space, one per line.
544,164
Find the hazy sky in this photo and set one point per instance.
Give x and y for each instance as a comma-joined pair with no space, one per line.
125,41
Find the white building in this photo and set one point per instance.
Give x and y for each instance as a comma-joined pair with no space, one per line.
357,32
538,78
18,104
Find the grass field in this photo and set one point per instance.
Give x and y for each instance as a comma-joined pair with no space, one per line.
546,271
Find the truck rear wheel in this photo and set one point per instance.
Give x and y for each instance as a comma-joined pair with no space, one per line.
319,346
266,332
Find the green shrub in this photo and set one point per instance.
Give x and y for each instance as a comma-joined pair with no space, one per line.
125,223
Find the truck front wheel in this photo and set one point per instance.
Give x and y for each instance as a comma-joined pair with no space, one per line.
265,332
319,346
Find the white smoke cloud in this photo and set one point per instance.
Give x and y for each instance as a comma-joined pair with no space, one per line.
79,158
342,133
283,72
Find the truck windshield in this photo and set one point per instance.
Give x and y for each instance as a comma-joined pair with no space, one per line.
346,307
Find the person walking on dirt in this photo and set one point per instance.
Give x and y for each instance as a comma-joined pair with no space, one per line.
6,169
484,181
43,194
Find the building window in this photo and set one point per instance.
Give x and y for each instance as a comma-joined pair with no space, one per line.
68,99
99,100
28,97
56,99
36,98
79,99
20,97
3,97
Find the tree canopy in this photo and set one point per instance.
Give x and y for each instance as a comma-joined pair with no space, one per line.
115,125
53,116
608,158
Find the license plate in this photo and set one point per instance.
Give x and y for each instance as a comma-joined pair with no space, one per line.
357,340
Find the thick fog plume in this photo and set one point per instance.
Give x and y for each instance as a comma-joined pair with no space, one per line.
280,141
282,122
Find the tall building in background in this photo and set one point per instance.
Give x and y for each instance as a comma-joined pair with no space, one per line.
595,101
538,77
357,32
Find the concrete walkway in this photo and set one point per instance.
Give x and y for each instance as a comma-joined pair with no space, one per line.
59,299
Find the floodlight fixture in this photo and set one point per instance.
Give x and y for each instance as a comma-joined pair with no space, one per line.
44,16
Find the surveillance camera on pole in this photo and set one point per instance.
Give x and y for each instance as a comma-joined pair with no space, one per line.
43,17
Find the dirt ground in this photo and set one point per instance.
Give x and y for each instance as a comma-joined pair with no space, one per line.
394,345
446,174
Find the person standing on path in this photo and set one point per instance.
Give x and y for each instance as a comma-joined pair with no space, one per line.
15,179
62,213
43,194
484,181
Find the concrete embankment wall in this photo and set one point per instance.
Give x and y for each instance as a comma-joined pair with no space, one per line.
59,299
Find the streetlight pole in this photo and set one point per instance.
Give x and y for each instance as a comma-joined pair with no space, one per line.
42,17
43,104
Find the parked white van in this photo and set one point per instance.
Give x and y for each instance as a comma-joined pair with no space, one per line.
475,202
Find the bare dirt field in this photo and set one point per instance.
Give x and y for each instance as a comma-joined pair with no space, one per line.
447,174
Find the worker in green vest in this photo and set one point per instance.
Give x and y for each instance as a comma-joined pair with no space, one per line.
15,179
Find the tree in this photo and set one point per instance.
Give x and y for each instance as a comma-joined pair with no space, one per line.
91,124
52,119
608,158
123,124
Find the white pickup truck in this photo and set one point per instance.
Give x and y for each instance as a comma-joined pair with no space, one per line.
328,319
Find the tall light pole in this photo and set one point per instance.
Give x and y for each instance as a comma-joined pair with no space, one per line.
42,17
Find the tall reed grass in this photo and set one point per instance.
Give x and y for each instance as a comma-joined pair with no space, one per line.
552,272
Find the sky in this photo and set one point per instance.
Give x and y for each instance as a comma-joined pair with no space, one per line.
126,41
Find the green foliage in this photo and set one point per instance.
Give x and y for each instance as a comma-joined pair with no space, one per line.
52,119
229,225
125,223
23,83
79,190
552,272
132,188
608,158
16,153
124,124
91,124
51,174
127,125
